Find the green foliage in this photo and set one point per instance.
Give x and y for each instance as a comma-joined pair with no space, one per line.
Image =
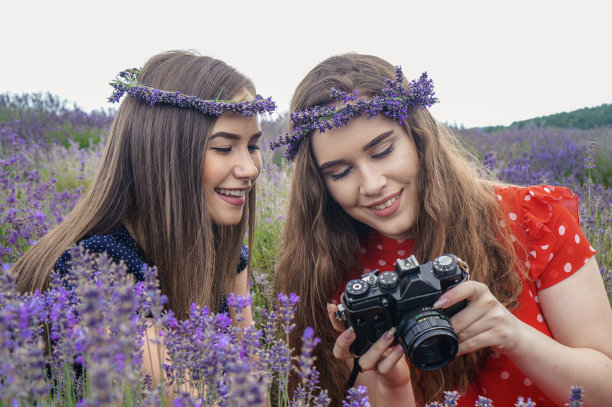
68,135
584,119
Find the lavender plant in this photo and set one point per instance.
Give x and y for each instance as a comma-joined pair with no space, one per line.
59,348
39,187
45,119
82,343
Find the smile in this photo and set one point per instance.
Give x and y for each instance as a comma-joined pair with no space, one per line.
387,203
231,192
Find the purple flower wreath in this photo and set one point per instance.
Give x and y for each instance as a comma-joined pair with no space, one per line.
395,101
127,82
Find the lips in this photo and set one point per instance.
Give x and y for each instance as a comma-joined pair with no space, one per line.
231,192
234,197
387,206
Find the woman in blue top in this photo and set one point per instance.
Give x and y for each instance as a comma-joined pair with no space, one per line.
175,185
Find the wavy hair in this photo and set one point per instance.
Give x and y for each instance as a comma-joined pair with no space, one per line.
151,178
458,213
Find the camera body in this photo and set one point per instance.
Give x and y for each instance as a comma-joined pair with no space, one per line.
403,298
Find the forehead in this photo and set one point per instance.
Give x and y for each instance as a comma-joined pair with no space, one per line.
339,143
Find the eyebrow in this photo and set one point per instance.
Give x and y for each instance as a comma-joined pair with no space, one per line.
366,147
376,140
233,136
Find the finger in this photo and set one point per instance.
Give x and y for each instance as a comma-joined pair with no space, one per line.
468,290
331,313
479,341
483,308
498,329
343,343
369,360
388,363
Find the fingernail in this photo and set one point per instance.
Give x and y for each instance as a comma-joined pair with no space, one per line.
440,303
390,334
349,333
328,308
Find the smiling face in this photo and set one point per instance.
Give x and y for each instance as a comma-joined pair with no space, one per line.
370,168
232,162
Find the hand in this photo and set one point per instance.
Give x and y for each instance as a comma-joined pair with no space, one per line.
388,363
484,321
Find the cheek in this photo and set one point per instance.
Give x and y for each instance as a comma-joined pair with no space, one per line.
342,193
209,171
257,162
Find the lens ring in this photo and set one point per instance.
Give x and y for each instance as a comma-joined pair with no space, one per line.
428,339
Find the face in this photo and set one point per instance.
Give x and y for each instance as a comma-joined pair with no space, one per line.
370,168
232,162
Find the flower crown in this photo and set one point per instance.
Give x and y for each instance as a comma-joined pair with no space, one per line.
127,82
395,101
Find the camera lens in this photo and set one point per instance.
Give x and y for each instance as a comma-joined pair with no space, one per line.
428,339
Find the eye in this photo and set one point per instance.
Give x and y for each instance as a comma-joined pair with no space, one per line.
341,175
384,153
222,150
253,147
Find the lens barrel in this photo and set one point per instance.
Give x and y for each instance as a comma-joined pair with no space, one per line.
428,338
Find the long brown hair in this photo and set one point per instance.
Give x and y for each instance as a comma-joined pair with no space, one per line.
151,178
458,214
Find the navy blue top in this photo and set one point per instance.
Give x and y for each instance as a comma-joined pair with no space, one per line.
120,245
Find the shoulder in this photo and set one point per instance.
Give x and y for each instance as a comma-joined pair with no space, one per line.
547,218
118,244
538,206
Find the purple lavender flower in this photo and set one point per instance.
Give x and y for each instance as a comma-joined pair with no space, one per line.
521,402
305,360
127,82
356,397
451,398
483,402
239,303
575,399
287,310
395,101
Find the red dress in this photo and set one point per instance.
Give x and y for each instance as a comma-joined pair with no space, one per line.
545,219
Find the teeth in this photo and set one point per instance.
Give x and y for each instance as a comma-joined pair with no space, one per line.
231,192
386,204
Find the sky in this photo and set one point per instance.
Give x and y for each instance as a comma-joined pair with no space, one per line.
492,62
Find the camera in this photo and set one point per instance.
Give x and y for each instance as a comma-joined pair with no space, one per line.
403,298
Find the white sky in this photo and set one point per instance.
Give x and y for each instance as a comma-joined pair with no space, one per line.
492,62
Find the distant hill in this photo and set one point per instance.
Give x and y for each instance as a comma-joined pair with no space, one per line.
586,118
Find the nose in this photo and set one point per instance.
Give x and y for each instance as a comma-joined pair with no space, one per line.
246,168
372,182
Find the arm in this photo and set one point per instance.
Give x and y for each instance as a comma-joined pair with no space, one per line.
578,314
241,287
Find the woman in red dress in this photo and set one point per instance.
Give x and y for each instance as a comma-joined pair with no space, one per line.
375,179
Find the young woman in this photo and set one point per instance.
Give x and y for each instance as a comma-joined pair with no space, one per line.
375,179
175,185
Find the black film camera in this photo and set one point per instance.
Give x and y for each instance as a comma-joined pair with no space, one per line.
403,299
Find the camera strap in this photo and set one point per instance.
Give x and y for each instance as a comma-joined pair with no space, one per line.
354,373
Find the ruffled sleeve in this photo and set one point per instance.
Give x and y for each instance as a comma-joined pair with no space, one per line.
555,243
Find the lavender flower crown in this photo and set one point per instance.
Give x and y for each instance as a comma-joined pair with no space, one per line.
127,82
395,101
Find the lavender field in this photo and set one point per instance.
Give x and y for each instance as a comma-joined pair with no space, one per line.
49,153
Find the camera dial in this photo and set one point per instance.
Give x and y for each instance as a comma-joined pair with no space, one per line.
444,266
357,288
388,280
